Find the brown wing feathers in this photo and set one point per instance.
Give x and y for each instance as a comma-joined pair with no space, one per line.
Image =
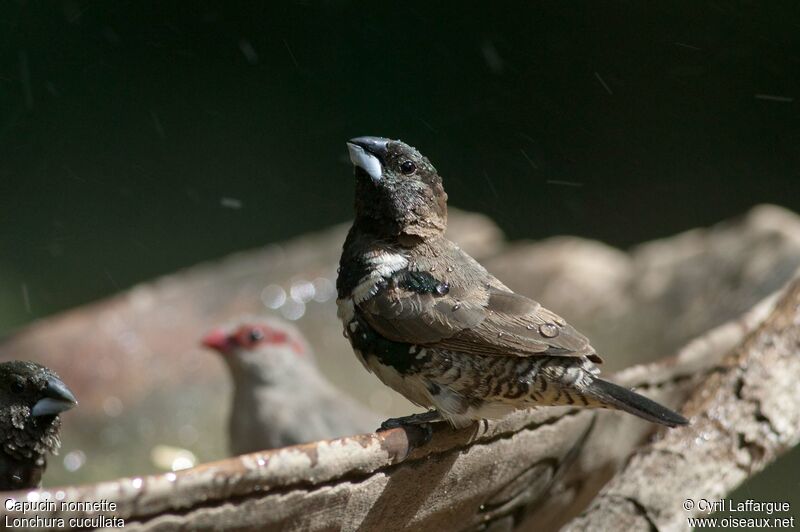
473,319
516,325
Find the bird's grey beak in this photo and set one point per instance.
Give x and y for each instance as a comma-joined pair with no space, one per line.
57,398
368,153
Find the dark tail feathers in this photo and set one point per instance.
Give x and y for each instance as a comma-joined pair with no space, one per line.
624,399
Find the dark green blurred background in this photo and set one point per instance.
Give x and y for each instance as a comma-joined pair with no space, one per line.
124,124
140,137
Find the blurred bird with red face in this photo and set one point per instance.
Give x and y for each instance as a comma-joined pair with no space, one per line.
280,397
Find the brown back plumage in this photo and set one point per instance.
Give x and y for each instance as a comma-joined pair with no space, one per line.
477,315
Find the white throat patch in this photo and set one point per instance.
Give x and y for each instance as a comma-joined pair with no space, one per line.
366,161
384,264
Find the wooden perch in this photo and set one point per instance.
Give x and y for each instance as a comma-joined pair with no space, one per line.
699,294
497,472
743,416
610,445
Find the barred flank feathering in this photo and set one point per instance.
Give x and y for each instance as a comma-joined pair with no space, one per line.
623,399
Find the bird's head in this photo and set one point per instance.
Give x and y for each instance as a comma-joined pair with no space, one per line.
259,346
398,191
31,397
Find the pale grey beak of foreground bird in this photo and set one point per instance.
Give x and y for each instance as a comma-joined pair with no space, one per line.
366,153
57,398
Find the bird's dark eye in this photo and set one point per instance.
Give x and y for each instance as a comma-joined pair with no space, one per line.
408,167
17,386
256,335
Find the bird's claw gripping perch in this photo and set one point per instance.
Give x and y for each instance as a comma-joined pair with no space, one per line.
418,427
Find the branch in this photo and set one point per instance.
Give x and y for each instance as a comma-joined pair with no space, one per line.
743,417
383,481
541,467
669,381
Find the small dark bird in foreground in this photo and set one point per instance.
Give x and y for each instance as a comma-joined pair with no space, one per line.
31,398
434,325
280,397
